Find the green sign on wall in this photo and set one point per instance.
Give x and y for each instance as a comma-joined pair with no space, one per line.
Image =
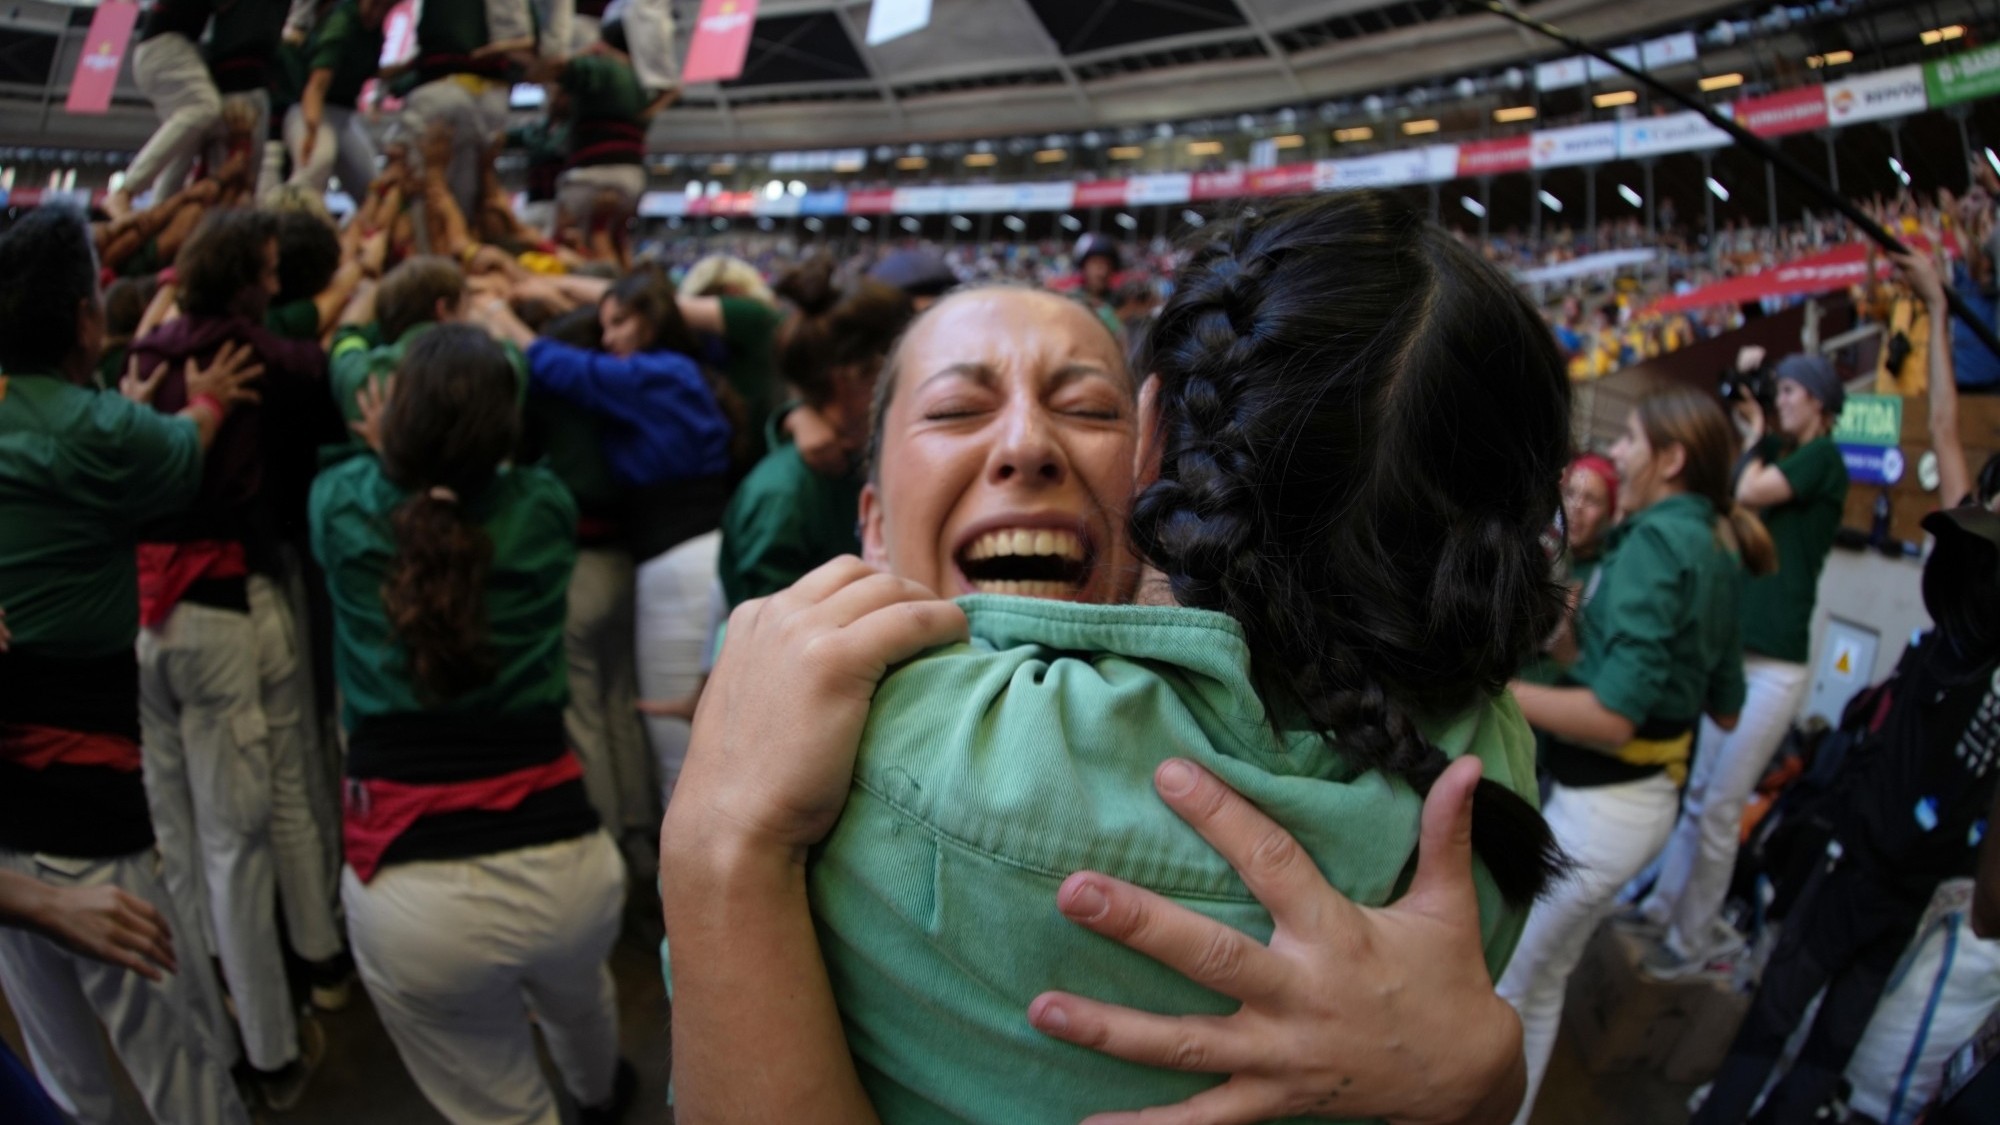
1963,77
1870,420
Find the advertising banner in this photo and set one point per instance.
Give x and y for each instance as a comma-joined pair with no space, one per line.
1871,97
1675,132
1490,158
721,40
1579,144
1788,111
103,52
1964,77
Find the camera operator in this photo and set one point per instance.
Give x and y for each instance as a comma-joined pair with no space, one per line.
1797,481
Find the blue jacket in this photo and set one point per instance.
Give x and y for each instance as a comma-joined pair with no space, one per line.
1973,363
659,419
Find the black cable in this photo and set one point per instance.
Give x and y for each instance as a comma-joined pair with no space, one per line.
1763,148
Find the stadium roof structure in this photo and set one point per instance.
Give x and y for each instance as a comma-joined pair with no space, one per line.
989,67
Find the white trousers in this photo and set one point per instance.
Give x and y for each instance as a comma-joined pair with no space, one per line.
1610,832
680,600
580,189
170,71
207,753
306,869
68,1004
649,32
602,719
475,111
456,954
1701,856
342,147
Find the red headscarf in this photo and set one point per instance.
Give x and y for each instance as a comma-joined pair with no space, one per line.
1603,470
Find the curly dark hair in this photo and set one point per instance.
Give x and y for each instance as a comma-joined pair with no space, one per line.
450,423
308,256
221,268
1363,431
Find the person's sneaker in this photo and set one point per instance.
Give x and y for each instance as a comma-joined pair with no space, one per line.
1663,962
624,1090
332,982
281,1089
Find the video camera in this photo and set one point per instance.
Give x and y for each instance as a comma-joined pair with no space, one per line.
1758,385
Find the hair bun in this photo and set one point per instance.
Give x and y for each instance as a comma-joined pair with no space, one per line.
809,285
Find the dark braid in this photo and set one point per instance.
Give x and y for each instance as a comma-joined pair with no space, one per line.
1363,431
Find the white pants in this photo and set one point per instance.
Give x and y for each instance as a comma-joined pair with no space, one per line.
475,110
341,147
679,601
207,753
68,1004
1947,985
602,719
455,954
649,32
1701,856
579,189
171,73
1610,832
298,840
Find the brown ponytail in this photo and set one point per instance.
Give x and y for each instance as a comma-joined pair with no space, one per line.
450,421
1695,422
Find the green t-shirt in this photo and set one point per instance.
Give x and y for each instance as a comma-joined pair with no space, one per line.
750,330
1778,608
451,27
357,357
80,471
990,772
348,48
784,520
531,520
294,320
1660,635
603,89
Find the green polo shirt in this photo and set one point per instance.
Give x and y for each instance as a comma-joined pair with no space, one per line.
603,89
784,520
531,520
989,772
356,357
80,471
347,47
750,329
1660,637
1778,607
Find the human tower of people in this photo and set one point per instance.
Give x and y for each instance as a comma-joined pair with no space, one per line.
1012,603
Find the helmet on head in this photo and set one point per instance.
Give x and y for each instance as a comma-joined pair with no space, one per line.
1096,246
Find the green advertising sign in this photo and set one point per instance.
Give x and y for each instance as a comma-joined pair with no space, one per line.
1870,420
1964,77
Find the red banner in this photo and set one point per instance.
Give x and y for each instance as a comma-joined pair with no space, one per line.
1286,179
103,52
1491,158
1792,111
1101,193
1823,272
871,202
721,40
1219,185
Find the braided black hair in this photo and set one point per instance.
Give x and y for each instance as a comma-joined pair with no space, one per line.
1363,434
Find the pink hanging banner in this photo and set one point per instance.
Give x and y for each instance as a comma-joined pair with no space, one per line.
103,53
721,40
1100,193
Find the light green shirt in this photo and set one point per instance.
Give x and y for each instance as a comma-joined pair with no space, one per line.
990,772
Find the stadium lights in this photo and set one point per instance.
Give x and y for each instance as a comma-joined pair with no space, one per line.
1350,136
1204,148
1126,221
1831,58
861,224
1550,201
1014,223
912,163
1992,162
960,222
912,225
1902,173
849,166
981,159
1051,155
1630,196
1614,98
1716,82
796,188
722,168
1420,126
1715,186
1125,152
774,190
1472,205
814,225
1070,222
1938,35
1192,218
1290,140
1508,114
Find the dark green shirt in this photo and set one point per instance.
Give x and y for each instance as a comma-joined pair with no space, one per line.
531,520
604,89
1660,636
348,48
784,520
80,471
750,329
451,27
294,320
1778,608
